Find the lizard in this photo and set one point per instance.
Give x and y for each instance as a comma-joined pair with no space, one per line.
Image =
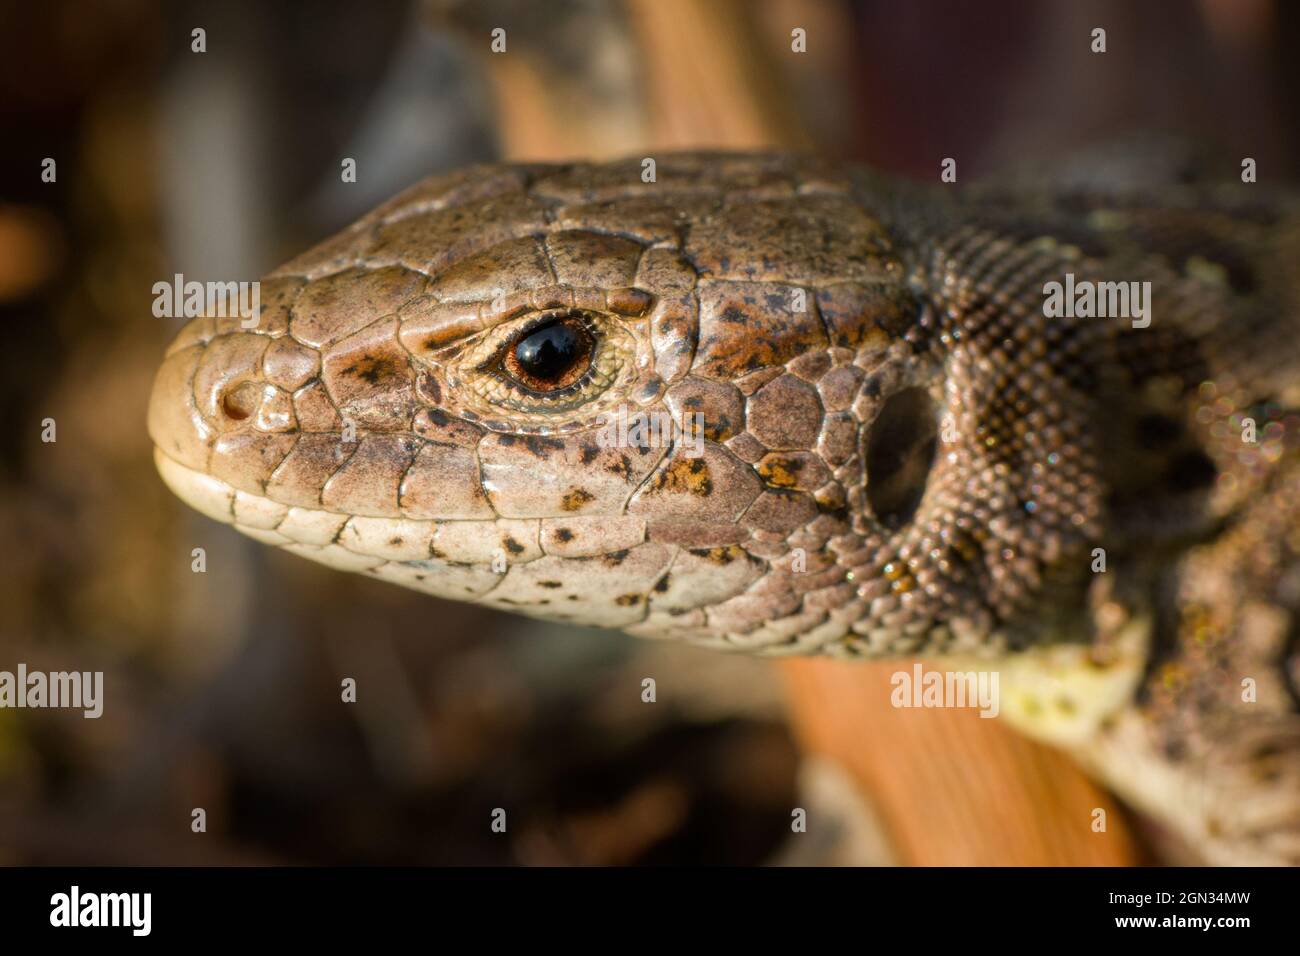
882,442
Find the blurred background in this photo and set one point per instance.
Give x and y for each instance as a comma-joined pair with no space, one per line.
222,688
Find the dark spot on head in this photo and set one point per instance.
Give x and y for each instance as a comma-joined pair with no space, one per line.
576,498
662,584
719,556
621,467
627,600
686,476
542,447
370,369
513,546
781,472
615,558
549,584
563,534
394,541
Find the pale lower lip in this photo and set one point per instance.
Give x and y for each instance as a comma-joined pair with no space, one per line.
205,494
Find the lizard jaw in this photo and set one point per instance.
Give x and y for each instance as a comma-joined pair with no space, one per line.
383,547
516,564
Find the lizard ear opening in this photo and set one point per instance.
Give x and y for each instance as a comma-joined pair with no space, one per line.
900,451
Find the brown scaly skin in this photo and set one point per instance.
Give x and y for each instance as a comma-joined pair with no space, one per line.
902,454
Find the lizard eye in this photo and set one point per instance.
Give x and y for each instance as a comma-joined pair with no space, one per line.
548,365
550,355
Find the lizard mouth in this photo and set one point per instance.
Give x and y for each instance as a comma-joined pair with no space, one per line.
402,551
519,565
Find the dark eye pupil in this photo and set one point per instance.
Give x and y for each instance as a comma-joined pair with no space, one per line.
549,352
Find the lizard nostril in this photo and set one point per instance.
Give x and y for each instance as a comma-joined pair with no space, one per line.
900,451
241,402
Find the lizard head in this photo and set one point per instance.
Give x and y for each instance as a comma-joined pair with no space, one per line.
710,405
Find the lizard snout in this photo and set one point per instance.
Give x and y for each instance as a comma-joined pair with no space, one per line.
219,390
